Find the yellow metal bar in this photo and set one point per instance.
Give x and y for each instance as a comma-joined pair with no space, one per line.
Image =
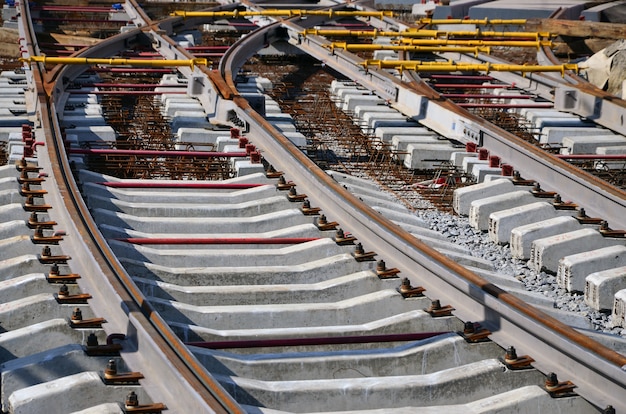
372,33
485,21
404,48
419,66
115,61
415,33
331,14
475,42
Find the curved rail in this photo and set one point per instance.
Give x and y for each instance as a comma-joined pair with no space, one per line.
597,369
599,377
154,346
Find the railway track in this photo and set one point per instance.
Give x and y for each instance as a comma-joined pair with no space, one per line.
309,316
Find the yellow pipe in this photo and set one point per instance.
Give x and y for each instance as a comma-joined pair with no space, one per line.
115,61
281,13
413,33
474,42
485,21
482,67
373,47
372,33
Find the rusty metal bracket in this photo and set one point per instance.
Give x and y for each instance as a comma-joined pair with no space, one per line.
408,291
293,195
324,225
558,389
307,210
92,348
131,405
360,255
29,205
383,273
436,310
46,257
39,238
514,362
77,321
473,333
112,377
64,297
342,239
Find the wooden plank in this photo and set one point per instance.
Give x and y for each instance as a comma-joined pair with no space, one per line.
578,28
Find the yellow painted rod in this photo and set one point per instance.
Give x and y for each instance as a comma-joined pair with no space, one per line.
419,66
404,48
413,33
485,21
156,63
281,13
372,33
476,42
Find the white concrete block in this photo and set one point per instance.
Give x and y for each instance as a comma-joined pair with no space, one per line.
501,223
575,268
619,309
601,287
400,143
523,236
555,135
463,197
427,156
387,133
545,253
481,209
587,144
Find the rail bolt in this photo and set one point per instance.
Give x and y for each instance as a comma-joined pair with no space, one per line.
63,291
92,340
111,368
77,315
131,400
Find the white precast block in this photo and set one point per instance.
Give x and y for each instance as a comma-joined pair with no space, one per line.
575,268
427,156
463,197
401,142
601,287
501,223
523,236
619,309
481,209
481,171
359,110
387,133
457,158
545,253
588,144
469,163
351,101
541,123
555,135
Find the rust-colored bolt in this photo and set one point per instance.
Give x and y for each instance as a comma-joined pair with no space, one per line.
111,368
77,315
64,290
281,180
38,232
321,220
469,328
537,187
46,252
552,381
604,225
434,305
131,400
582,213
293,192
358,249
92,340
608,410
339,234
54,270
381,267
406,285
510,355
557,199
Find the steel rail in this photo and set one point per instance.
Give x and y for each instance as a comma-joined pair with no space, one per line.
152,346
596,370
420,102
